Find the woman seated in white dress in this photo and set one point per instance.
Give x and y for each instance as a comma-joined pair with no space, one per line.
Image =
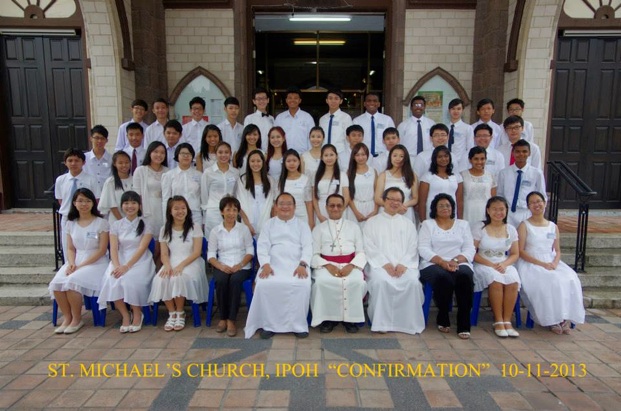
551,289
128,277
87,259
497,251
182,275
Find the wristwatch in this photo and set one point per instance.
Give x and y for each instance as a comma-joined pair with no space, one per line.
303,264
456,260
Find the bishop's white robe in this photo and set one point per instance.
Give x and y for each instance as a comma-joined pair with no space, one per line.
280,301
337,298
395,304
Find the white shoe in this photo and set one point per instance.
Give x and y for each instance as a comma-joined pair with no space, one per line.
502,333
73,329
511,331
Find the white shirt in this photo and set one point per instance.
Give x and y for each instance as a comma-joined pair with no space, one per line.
64,185
408,132
297,129
532,180
336,238
121,139
170,154
101,168
496,135
230,247
463,135
140,153
534,159
447,244
192,132
232,134
155,132
265,123
340,122
421,163
382,122
215,184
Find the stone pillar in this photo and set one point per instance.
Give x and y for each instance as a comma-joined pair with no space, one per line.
393,66
243,45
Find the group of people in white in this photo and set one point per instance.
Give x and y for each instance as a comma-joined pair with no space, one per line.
357,209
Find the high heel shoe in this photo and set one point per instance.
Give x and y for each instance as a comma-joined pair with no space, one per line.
136,328
502,333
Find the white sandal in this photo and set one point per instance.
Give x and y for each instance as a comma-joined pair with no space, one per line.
170,323
180,321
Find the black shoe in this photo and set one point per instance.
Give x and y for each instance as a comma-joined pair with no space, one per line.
326,327
350,327
301,335
266,335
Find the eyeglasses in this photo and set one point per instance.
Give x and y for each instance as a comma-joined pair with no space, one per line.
444,206
513,128
185,154
440,135
394,200
418,105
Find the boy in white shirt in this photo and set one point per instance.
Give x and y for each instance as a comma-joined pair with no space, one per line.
461,136
335,121
514,127
482,138
231,129
296,122
374,123
390,138
98,160
155,131
355,135
515,107
135,148
193,129
414,130
485,111
139,109
261,118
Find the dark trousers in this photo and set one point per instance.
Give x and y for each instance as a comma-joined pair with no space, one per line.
228,292
444,283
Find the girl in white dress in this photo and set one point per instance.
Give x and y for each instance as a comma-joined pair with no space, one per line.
183,272
276,146
312,157
329,179
298,184
114,187
551,289
87,242
209,142
217,181
131,270
250,141
399,174
479,186
440,179
361,190
148,183
184,180
255,192
498,250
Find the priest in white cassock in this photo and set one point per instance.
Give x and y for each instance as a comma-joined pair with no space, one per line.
395,292
338,259
283,286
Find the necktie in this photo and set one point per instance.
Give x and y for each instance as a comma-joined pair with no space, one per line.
330,129
516,193
512,159
419,141
373,136
134,161
451,137
74,186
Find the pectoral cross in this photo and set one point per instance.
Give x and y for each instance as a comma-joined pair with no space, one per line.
332,246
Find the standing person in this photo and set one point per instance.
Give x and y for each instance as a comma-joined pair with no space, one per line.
485,111
415,129
128,277
296,122
147,181
329,179
250,141
298,184
276,147
495,161
335,122
217,181
497,250
513,130
98,161
312,157
212,136
391,139
139,109
399,174
395,292
479,186
440,179
283,286
374,124
231,129
172,135
361,190
193,130
230,252
551,289
114,187
446,249
261,117
182,275
515,107
461,134
353,137
255,192
516,181
338,259
134,145
439,137
184,181
86,259
155,131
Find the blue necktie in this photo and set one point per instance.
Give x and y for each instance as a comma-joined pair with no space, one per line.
516,193
373,136
330,129
74,187
419,141
451,136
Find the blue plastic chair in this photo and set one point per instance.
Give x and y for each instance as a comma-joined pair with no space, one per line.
476,305
90,303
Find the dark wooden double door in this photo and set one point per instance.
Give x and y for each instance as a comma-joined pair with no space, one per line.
44,98
586,116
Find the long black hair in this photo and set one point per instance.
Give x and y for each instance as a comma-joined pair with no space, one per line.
187,224
433,168
321,170
406,168
74,214
351,170
204,153
249,184
243,146
134,196
118,183
151,149
270,147
285,173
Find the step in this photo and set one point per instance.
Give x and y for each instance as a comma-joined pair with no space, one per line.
38,256
602,298
601,277
594,241
26,275
12,238
24,295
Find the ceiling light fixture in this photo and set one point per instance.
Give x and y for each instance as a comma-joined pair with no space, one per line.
319,17
314,42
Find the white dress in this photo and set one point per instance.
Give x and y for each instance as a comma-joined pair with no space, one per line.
148,183
407,191
364,197
477,190
325,187
551,296
439,185
186,183
301,190
281,301
275,168
192,283
111,197
85,280
258,209
494,249
216,184
311,164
